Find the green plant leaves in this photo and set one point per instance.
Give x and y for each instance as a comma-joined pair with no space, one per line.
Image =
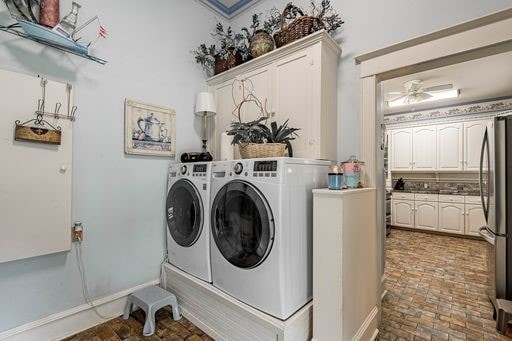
257,132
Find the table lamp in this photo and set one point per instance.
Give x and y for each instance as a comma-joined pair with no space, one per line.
205,107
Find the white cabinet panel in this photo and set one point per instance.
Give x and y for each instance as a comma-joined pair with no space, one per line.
449,147
224,99
451,218
474,219
473,136
402,213
401,149
424,150
293,99
260,82
425,215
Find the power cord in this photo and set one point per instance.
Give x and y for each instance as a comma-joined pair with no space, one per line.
85,290
163,279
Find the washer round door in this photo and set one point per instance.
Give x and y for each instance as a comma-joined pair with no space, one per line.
242,224
184,209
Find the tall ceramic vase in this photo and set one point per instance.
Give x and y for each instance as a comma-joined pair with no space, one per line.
49,13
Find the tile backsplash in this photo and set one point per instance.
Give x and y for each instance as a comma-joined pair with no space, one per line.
434,186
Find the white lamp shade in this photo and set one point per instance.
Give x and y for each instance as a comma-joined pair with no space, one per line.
205,103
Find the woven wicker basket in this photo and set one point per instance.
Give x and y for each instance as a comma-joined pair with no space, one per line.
299,28
259,150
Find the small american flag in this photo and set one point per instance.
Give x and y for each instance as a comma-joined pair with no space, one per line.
103,32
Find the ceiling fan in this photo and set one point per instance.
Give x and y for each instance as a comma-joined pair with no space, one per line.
415,93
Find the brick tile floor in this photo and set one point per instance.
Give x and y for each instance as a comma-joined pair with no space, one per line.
436,289
166,329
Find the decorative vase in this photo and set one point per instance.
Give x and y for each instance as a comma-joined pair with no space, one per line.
49,13
261,43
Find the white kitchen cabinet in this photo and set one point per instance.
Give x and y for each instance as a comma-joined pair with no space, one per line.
424,151
474,219
401,149
451,218
402,213
450,147
425,215
299,83
473,137
261,82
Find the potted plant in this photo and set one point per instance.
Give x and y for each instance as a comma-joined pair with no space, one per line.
232,50
255,139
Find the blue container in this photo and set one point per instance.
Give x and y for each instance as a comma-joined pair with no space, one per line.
335,181
352,180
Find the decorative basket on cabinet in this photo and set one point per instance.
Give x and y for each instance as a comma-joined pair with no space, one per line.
297,29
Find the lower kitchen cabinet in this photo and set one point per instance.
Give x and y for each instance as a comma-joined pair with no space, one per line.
451,218
474,219
403,213
425,215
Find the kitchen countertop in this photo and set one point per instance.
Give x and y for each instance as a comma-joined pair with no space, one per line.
442,192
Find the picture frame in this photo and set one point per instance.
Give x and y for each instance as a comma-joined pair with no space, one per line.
149,129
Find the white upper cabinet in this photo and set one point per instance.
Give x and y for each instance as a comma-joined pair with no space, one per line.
299,83
401,149
299,107
424,150
473,137
449,147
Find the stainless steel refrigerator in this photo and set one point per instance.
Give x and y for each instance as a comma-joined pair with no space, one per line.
496,195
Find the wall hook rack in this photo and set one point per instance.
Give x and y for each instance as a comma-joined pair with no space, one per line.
41,105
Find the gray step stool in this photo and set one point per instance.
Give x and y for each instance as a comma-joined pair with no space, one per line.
151,299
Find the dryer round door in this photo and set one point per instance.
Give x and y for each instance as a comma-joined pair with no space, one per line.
184,209
242,224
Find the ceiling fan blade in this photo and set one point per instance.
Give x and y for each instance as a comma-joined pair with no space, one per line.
424,96
396,93
438,87
397,98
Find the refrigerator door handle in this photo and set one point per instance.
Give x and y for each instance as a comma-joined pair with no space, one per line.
481,174
486,235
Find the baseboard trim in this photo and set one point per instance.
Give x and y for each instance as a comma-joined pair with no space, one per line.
74,320
366,330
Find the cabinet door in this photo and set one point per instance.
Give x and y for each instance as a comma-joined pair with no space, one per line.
260,82
402,213
401,149
451,218
449,147
224,94
474,219
293,101
425,215
424,150
473,136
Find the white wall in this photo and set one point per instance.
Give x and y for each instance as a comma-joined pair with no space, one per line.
373,24
119,198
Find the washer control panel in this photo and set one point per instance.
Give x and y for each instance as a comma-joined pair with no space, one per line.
200,170
238,168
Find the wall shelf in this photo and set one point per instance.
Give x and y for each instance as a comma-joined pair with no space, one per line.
12,29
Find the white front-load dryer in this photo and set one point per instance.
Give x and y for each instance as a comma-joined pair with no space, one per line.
261,226
188,218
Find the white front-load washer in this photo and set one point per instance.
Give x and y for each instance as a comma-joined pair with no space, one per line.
261,227
188,218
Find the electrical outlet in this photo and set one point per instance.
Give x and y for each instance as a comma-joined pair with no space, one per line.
77,233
